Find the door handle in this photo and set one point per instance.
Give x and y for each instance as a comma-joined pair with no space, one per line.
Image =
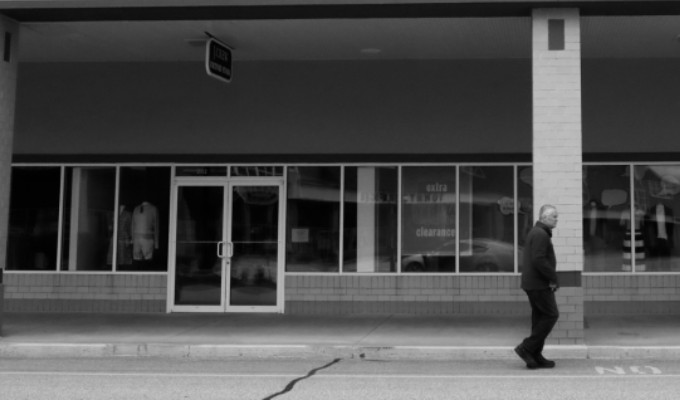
220,249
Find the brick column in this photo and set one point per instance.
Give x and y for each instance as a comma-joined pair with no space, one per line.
557,154
9,32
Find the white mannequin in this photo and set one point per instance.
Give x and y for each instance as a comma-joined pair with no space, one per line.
144,231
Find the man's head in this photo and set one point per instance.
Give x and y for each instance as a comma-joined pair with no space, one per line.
548,215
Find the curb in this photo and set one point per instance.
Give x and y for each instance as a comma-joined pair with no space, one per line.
634,352
255,352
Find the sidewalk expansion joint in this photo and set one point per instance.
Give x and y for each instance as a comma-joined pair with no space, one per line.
375,328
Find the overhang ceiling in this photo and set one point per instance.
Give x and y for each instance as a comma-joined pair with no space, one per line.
326,38
431,38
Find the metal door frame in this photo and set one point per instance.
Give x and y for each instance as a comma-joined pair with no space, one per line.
227,184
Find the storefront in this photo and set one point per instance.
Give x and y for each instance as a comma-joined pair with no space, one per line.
226,236
392,180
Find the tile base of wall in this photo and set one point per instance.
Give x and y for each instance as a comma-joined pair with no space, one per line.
631,308
95,306
2,305
407,307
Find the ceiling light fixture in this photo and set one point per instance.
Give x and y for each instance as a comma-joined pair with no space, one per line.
371,50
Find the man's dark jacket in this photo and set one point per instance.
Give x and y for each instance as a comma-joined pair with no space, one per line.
539,266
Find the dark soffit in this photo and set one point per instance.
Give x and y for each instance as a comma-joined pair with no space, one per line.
338,11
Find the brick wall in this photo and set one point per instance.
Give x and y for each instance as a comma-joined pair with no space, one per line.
557,148
423,295
631,294
569,328
473,295
557,151
60,292
453,295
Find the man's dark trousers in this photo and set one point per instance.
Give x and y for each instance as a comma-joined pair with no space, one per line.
544,315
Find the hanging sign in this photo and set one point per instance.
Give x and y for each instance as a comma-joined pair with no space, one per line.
218,60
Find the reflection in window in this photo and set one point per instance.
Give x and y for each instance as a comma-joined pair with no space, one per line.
200,171
428,219
88,218
487,225
198,268
525,206
255,238
607,222
313,218
257,171
33,218
657,202
142,229
370,226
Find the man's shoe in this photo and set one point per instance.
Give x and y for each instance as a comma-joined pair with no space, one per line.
526,357
543,362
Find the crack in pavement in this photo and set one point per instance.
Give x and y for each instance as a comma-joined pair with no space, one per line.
292,383
375,328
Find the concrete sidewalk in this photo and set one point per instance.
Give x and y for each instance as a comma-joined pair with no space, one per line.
297,336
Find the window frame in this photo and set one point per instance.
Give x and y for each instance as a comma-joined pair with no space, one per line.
631,165
60,231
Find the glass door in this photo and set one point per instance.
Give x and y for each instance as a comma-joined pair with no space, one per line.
226,244
199,232
254,247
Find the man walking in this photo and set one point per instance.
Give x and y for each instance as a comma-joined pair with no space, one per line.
539,281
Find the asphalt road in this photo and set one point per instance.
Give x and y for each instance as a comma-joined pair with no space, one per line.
143,378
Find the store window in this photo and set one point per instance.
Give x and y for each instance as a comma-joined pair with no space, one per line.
370,219
609,231
141,238
116,218
487,219
89,195
428,219
657,206
33,218
313,219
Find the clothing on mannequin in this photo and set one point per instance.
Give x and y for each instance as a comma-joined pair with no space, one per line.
592,218
660,223
144,231
633,235
659,232
594,226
